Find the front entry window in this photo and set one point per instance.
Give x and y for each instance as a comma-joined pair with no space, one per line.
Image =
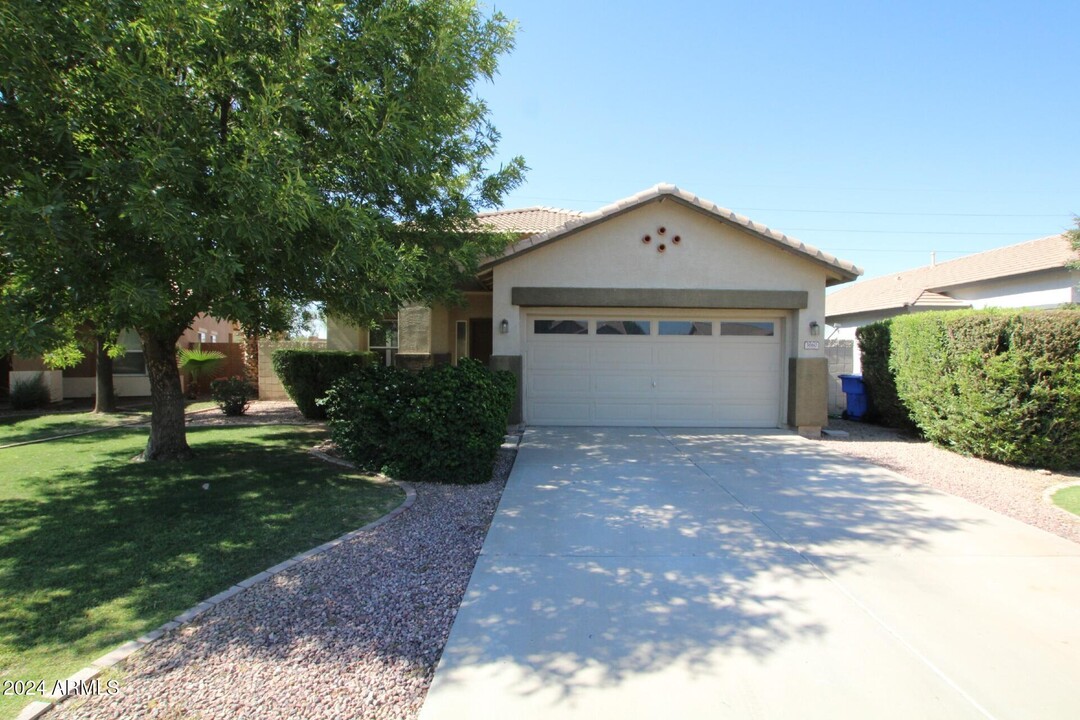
383,341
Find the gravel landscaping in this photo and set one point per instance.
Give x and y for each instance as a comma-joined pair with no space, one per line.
354,632
1013,491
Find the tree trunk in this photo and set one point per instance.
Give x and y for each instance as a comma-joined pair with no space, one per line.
168,438
251,356
104,395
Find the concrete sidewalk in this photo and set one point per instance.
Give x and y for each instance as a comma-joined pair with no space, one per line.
635,573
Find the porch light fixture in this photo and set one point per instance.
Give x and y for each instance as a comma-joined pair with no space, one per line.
815,329
504,326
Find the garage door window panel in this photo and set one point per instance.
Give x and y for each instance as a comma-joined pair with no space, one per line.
561,327
685,328
747,329
623,327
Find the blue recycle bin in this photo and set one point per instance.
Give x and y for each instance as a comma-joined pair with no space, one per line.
855,391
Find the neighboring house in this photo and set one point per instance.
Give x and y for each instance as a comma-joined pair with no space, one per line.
129,370
659,310
1030,274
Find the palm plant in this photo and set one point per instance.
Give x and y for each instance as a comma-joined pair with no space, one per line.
198,363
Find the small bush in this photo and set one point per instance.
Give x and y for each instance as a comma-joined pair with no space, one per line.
1002,385
308,374
232,394
30,394
885,406
441,424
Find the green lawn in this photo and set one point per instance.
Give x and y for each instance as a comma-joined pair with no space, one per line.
95,549
1068,499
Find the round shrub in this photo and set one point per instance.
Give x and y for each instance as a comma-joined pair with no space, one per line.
232,394
442,424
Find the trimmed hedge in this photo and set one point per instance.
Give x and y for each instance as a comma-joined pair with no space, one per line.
308,374
885,406
1002,385
441,424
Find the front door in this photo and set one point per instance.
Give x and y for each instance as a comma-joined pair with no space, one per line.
480,339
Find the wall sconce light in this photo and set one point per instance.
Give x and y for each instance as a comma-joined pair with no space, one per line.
504,326
815,329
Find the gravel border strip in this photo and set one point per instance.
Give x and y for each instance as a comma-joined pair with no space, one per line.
1017,492
122,652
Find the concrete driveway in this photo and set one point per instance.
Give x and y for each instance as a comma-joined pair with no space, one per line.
644,573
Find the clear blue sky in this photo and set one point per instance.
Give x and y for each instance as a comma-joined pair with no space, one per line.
877,131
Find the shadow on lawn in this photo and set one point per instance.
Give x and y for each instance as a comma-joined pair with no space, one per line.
121,544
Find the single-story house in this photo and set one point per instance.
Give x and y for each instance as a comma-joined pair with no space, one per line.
661,309
1031,274
129,370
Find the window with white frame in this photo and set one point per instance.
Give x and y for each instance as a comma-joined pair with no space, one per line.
383,340
132,362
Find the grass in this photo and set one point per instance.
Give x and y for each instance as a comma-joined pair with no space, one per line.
95,549
15,428
1068,499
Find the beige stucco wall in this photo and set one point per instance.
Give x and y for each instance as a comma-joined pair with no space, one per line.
123,386
421,330
710,254
344,336
270,387
52,379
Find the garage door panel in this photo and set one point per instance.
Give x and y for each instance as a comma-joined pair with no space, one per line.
623,353
765,358
747,387
668,380
686,414
745,415
544,412
565,355
546,383
621,384
684,356
622,413
694,384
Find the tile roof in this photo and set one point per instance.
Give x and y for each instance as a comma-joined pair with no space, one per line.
927,286
529,220
843,271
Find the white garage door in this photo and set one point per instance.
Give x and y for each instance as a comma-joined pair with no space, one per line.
632,369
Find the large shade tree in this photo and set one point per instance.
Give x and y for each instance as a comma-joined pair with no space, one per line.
162,158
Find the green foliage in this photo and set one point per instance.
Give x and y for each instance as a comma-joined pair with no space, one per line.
1003,385
308,374
232,394
198,362
29,394
885,405
163,158
441,424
